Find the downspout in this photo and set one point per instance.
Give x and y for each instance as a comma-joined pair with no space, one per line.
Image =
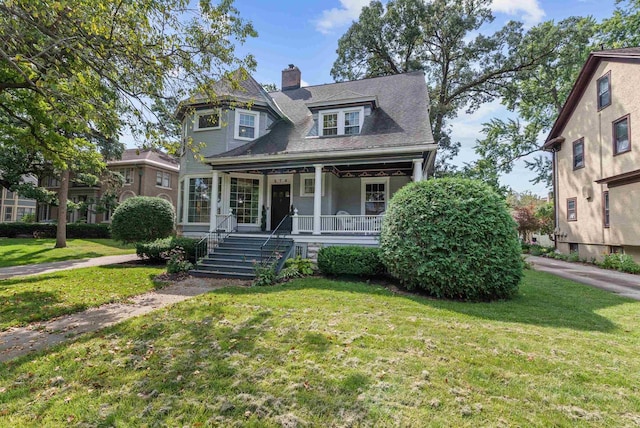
556,219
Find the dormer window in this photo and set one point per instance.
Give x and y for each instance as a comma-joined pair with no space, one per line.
341,122
247,125
207,119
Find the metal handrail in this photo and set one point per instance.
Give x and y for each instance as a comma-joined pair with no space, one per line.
277,232
208,242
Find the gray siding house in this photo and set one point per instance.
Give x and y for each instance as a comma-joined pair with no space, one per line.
329,156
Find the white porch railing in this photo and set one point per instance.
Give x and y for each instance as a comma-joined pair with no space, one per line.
227,222
338,224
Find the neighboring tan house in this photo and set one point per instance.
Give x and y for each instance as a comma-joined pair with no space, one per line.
12,207
596,163
145,172
330,155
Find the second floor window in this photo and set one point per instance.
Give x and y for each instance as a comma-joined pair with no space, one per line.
604,91
163,179
578,153
127,173
572,209
341,122
621,139
208,119
247,125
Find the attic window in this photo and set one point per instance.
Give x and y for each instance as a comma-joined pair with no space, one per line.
207,119
604,91
341,122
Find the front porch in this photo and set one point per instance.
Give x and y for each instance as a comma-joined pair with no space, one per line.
328,200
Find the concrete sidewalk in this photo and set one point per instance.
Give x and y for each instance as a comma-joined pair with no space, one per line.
624,284
26,270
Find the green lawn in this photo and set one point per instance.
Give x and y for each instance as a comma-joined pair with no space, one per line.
16,252
41,297
316,352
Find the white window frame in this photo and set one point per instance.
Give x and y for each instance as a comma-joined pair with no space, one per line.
196,123
8,209
303,177
256,124
341,113
260,194
363,188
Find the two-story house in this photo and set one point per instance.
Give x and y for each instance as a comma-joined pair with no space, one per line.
596,169
13,207
331,156
145,172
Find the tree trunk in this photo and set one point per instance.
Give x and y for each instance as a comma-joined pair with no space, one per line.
63,193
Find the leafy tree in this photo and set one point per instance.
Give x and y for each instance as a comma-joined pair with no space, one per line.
545,214
76,72
464,70
526,220
536,96
621,29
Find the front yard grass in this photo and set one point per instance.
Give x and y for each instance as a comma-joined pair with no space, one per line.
18,251
317,352
41,297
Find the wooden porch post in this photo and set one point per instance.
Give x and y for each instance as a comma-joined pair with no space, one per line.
213,218
417,170
317,200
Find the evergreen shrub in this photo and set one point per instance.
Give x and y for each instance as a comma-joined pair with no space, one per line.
156,251
350,260
142,219
453,238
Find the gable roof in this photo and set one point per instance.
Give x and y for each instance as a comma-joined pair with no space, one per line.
401,118
588,69
147,157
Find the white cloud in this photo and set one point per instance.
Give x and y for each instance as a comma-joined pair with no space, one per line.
338,17
303,83
527,10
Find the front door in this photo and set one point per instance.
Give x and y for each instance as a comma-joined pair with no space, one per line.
280,196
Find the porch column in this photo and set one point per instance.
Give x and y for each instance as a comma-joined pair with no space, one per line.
317,200
213,219
417,170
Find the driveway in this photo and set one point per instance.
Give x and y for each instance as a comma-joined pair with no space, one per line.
624,284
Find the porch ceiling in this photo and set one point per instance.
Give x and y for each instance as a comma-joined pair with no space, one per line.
381,169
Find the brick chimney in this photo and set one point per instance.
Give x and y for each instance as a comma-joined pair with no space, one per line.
291,78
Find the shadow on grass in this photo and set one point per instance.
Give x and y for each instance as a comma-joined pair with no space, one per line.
31,306
543,300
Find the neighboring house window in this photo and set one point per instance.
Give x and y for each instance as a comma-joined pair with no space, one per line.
341,122
107,215
244,198
578,154
208,119
22,211
163,179
573,248
52,182
572,209
127,173
308,184
246,127
621,136
604,91
8,213
374,195
605,208
199,200
10,195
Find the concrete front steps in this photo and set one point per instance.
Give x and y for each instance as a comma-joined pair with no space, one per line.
237,256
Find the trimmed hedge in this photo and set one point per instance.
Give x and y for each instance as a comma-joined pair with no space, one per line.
154,250
142,219
48,230
453,238
350,260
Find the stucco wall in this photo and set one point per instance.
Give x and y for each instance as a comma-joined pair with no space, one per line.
596,127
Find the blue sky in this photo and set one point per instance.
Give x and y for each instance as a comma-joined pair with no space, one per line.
306,33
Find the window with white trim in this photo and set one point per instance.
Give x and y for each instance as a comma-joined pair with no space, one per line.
244,198
308,184
8,213
341,122
127,173
375,194
246,125
199,198
163,179
207,119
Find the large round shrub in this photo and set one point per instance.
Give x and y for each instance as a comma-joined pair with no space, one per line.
142,219
453,238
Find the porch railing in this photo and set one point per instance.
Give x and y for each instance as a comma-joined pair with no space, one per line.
339,223
273,248
227,223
